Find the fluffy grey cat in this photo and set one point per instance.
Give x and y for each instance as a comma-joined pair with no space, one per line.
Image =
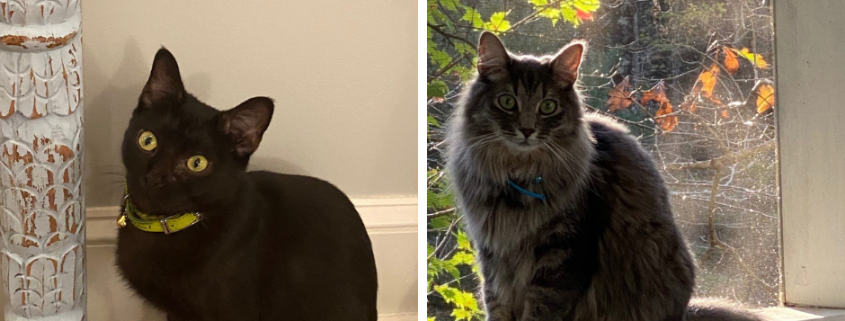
569,215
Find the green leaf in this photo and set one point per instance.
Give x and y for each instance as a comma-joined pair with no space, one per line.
439,201
438,17
461,314
466,72
437,88
498,23
430,17
463,241
587,5
433,267
431,199
463,48
570,15
450,5
441,222
473,16
433,121
462,258
551,13
539,3
452,269
440,58
463,301
431,46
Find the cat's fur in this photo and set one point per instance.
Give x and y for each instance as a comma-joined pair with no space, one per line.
270,247
603,245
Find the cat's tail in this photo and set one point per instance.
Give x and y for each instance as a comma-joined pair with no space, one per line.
718,310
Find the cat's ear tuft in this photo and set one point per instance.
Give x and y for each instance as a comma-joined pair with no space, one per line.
568,60
165,82
493,58
246,124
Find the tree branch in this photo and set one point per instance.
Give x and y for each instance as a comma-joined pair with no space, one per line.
451,36
724,160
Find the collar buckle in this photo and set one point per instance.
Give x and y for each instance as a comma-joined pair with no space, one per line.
166,228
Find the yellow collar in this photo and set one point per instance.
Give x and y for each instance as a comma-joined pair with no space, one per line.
156,224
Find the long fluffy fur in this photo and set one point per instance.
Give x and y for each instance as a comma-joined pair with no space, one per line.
604,244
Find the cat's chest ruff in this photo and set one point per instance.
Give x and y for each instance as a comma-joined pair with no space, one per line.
506,224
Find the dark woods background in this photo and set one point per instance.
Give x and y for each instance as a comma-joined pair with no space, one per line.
692,79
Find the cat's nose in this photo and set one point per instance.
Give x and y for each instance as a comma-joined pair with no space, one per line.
527,131
152,181
156,180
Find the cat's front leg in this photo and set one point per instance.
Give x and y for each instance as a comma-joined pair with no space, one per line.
548,304
496,310
555,288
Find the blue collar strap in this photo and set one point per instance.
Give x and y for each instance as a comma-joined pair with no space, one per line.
527,192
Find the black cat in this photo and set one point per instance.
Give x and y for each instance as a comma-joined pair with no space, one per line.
203,239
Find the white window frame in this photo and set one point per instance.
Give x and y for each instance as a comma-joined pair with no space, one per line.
809,76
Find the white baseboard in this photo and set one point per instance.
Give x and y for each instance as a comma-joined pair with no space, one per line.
391,223
398,317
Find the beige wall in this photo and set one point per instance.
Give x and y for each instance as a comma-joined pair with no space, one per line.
343,75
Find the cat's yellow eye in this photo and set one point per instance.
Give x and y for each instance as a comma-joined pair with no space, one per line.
548,107
147,141
507,102
197,163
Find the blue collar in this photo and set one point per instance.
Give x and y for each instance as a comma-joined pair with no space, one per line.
527,192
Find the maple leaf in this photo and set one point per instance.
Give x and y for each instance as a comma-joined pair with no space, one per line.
620,96
667,122
707,82
731,63
754,58
656,93
765,98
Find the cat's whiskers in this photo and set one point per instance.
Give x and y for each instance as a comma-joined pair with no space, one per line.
565,158
482,140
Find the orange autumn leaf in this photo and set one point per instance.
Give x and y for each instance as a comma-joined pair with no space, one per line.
754,58
765,98
725,113
667,122
656,93
620,96
731,63
708,80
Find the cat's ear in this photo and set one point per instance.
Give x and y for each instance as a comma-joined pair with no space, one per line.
165,82
567,61
246,123
493,58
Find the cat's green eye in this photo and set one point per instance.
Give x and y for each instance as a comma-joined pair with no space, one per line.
507,102
147,141
197,163
548,107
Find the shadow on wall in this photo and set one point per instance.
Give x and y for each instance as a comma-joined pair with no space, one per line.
108,107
